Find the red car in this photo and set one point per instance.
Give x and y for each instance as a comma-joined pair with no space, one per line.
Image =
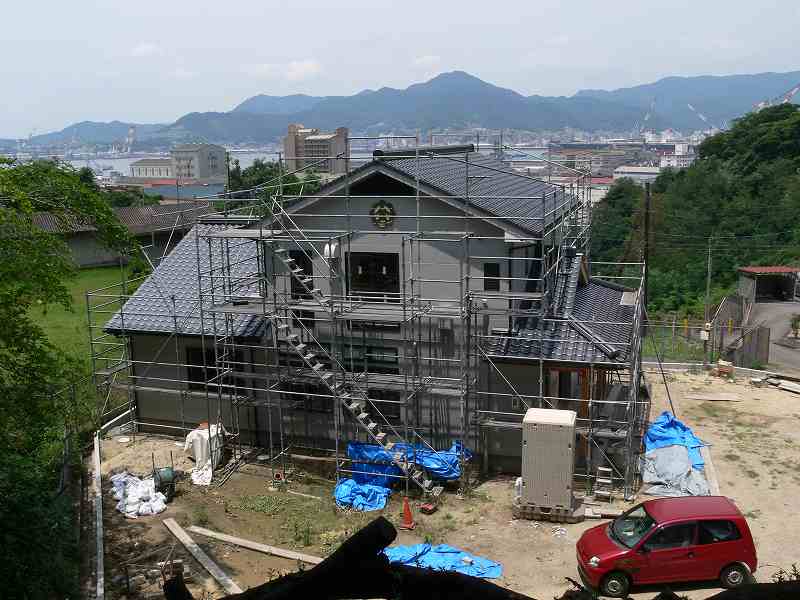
668,540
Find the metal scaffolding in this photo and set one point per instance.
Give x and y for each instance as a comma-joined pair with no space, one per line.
298,361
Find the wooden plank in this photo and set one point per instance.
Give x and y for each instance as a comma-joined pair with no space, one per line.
97,500
710,471
281,552
222,578
789,387
721,397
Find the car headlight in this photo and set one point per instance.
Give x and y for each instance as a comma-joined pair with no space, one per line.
594,562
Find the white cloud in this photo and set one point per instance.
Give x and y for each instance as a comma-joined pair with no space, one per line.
143,49
298,70
429,60
259,70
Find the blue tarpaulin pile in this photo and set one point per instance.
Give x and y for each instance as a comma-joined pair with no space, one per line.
361,496
369,486
441,464
444,558
666,430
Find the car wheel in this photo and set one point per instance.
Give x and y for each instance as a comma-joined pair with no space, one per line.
615,585
734,575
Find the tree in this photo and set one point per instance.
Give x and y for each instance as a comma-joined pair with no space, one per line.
741,198
34,411
268,175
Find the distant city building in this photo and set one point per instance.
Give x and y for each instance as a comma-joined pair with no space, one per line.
304,146
187,161
152,168
682,157
198,161
640,175
676,161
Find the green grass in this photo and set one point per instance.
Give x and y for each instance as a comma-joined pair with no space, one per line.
671,348
68,329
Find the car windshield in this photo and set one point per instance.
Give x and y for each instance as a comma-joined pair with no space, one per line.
631,527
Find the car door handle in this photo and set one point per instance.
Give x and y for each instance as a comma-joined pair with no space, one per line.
691,555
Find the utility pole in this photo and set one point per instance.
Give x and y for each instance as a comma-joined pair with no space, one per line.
646,252
707,311
227,180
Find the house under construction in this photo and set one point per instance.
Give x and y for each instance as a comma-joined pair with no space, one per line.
429,296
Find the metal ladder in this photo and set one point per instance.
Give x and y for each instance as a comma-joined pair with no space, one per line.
296,271
354,399
603,484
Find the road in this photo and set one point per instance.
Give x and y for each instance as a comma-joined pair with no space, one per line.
777,316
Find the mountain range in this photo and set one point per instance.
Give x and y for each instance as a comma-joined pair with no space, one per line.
458,100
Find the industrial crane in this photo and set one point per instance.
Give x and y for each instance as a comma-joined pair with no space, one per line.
640,127
782,99
702,117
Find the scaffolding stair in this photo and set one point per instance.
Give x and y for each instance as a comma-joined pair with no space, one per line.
356,403
603,484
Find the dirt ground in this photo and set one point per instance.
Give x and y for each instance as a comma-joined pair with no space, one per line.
754,446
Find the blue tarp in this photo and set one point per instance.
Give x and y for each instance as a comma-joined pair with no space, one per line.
444,558
358,451
361,496
369,487
666,430
441,464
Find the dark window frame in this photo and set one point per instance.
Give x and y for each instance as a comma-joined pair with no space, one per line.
490,271
372,282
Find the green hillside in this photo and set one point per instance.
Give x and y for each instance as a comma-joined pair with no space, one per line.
741,198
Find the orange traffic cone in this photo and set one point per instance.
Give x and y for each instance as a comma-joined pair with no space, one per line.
408,520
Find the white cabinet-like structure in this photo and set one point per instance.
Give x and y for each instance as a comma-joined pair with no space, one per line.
548,457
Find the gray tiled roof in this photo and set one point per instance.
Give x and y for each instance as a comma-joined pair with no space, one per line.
150,309
155,217
493,187
152,162
137,219
590,325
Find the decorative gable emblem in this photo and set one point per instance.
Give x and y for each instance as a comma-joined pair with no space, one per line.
382,214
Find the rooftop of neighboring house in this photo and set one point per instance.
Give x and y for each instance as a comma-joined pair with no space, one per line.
768,270
139,220
152,162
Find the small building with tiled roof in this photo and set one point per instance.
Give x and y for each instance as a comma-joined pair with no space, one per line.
767,283
157,227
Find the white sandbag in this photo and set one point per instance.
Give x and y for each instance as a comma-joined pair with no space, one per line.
137,497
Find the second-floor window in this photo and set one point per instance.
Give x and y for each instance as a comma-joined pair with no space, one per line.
375,274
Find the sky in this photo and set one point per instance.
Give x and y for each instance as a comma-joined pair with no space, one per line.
150,61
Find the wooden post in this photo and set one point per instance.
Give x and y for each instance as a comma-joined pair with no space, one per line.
672,344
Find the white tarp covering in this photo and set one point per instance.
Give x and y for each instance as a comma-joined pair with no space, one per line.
670,471
137,497
205,444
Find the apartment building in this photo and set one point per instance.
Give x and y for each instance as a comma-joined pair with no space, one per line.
304,146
